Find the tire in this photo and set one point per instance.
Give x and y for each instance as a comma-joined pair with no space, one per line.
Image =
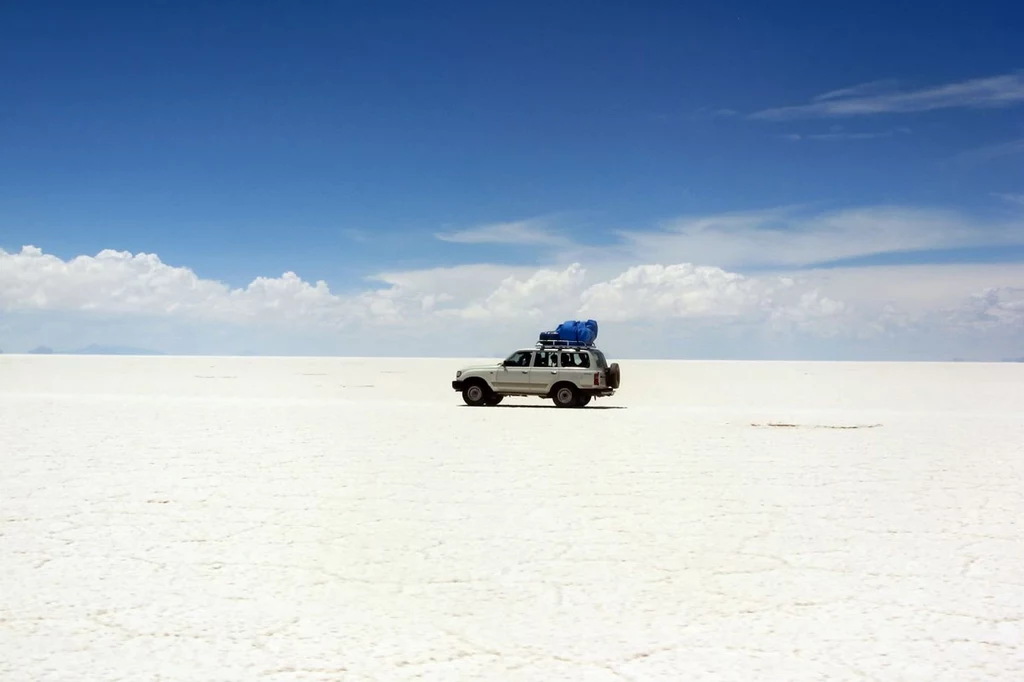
614,375
584,399
475,394
565,395
493,400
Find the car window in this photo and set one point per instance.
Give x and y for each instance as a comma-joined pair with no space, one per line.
572,359
546,359
519,359
602,363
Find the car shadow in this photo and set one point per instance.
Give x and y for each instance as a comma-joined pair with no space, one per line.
554,407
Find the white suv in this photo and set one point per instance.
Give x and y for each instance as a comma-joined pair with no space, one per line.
570,374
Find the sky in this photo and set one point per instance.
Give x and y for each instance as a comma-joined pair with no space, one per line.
738,181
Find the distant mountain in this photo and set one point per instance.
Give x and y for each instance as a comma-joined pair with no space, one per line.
97,349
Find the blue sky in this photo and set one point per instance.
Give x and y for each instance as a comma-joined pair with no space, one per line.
336,140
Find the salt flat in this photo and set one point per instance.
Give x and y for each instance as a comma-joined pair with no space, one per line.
334,519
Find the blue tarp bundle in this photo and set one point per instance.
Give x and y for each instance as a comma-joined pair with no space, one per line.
578,331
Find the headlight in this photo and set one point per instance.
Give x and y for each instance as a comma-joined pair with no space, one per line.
458,374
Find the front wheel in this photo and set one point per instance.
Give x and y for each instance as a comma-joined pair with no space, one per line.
565,396
494,400
474,395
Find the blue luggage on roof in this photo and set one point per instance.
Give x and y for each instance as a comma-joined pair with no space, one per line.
571,333
578,331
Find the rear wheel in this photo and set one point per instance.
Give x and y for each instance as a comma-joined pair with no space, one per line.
475,394
565,396
584,399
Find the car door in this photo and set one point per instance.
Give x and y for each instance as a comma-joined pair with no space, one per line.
545,371
514,374
571,366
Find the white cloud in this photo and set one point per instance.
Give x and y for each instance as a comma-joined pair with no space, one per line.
538,297
844,136
880,98
535,231
121,282
668,282
1011,198
932,301
677,291
703,294
706,112
916,288
990,152
794,237
885,86
994,308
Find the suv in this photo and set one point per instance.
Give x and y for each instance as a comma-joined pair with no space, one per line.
568,373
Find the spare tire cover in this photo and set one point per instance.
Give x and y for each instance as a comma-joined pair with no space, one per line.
614,376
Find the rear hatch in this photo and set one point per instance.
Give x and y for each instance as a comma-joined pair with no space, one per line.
600,376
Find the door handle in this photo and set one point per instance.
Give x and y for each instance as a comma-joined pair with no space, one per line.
554,371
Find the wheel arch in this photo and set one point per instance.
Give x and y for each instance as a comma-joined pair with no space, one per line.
559,384
470,381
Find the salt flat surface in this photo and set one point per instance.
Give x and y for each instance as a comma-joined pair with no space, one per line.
331,519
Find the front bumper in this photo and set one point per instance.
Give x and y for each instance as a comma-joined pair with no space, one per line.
457,384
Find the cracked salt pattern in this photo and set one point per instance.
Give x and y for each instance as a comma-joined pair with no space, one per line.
328,519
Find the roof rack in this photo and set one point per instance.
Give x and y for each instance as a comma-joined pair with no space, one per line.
561,343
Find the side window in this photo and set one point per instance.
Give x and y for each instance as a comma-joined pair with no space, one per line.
575,360
521,359
546,359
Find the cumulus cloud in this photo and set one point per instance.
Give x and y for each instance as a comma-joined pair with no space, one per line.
472,301
676,291
121,282
708,295
541,295
994,308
